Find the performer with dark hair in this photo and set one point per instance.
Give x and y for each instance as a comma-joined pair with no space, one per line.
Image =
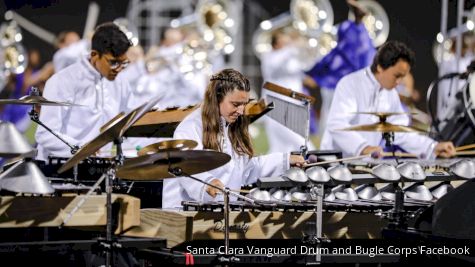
91,82
219,125
372,90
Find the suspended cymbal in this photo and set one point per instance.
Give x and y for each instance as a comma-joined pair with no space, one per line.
169,145
35,100
112,130
12,142
140,111
156,166
25,177
384,127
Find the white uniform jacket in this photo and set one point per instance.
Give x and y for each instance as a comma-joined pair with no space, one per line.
360,92
240,170
81,84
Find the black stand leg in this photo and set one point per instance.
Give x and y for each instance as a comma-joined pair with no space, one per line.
397,219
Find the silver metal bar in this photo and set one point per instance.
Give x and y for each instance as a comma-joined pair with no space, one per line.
443,26
458,45
83,199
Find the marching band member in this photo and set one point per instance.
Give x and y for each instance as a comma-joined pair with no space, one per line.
158,75
70,49
165,78
447,89
219,125
281,66
372,90
354,51
91,82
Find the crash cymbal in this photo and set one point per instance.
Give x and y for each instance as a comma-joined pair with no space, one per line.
12,143
169,145
384,127
109,132
35,100
156,166
140,111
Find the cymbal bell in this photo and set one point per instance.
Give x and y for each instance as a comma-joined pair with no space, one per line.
156,166
385,114
35,100
168,145
12,143
384,127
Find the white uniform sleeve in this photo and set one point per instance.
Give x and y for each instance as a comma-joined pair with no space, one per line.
341,114
415,143
265,166
194,189
55,117
283,63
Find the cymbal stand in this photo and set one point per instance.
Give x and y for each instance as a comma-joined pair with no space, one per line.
34,116
227,257
109,177
397,219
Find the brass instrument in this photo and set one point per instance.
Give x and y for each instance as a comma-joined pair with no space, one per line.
10,33
376,21
128,29
209,31
444,45
215,24
13,55
311,20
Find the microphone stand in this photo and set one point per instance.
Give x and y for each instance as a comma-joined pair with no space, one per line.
227,257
